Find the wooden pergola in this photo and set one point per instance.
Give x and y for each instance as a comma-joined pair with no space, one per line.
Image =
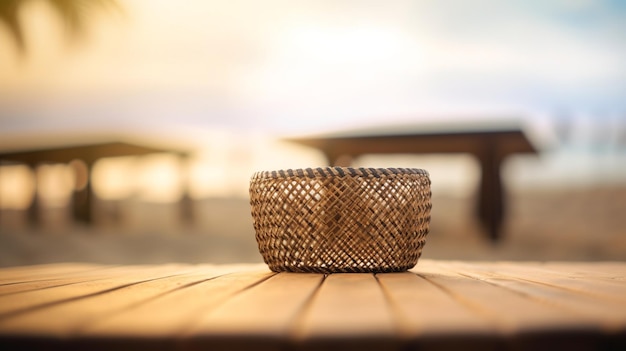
489,143
89,153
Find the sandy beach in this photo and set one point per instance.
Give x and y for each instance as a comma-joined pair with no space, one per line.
567,225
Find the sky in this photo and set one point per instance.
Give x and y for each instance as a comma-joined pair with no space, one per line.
297,66
231,72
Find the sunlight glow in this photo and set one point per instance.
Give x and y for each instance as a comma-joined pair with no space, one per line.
159,178
114,178
55,184
346,45
17,184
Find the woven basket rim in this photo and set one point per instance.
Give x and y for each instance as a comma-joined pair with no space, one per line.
321,172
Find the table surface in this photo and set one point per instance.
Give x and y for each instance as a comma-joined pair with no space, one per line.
436,305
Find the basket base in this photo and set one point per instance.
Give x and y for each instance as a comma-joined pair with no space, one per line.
335,269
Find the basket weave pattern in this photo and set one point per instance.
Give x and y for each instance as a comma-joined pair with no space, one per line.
337,219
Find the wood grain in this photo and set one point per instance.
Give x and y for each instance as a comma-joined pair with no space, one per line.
13,304
347,303
436,305
178,311
13,275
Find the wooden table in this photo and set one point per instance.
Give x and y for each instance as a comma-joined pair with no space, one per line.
437,305
88,149
490,142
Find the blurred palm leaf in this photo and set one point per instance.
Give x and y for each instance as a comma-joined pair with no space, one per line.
74,14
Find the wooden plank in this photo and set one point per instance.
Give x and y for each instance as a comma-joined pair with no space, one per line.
607,289
55,280
267,308
267,312
424,308
13,275
347,303
429,318
523,321
349,311
595,270
22,302
508,311
608,315
172,314
64,319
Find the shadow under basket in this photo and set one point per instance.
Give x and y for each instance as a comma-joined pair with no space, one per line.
339,219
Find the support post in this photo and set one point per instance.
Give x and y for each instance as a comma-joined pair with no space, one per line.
186,202
491,197
34,210
83,196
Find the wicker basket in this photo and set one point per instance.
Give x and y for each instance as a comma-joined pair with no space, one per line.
335,219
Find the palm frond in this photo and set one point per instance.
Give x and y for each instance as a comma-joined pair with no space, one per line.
9,15
75,15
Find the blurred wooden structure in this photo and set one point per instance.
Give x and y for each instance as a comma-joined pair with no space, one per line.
489,143
438,305
88,153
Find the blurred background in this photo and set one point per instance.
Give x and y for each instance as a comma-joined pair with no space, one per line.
158,112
